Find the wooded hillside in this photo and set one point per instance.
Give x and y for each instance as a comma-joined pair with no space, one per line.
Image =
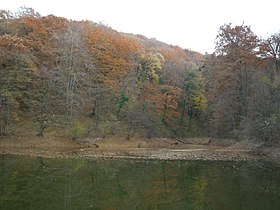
86,79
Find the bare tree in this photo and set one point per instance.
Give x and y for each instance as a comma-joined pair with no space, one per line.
270,48
72,67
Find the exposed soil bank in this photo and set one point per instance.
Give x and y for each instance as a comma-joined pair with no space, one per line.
167,149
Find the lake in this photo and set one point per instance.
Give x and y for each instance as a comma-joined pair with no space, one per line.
28,183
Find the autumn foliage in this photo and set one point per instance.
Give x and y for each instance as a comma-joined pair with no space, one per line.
56,73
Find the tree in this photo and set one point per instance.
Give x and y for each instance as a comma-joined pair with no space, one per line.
231,75
54,71
112,53
263,120
163,100
6,15
270,48
121,101
72,68
15,77
42,102
9,24
27,12
193,100
149,66
264,113
139,119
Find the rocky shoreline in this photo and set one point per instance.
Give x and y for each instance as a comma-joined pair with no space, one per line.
116,149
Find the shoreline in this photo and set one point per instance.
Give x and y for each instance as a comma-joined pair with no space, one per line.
113,148
114,156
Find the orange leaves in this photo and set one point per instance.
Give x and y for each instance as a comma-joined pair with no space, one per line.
12,43
235,40
39,36
111,52
164,99
91,62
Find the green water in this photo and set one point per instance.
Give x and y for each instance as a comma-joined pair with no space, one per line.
40,183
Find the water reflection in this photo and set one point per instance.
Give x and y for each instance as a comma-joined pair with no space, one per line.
39,183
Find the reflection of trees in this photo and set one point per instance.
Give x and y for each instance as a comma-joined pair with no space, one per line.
78,184
43,184
40,183
164,189
193,184
3,181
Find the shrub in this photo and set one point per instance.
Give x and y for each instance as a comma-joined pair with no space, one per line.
77,131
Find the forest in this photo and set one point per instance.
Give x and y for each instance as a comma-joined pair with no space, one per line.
83,79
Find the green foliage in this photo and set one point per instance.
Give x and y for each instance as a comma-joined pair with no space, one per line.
41,124
194,89
199,95
77,131
121,101
193,101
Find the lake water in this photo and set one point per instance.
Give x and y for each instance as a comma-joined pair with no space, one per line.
38,183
